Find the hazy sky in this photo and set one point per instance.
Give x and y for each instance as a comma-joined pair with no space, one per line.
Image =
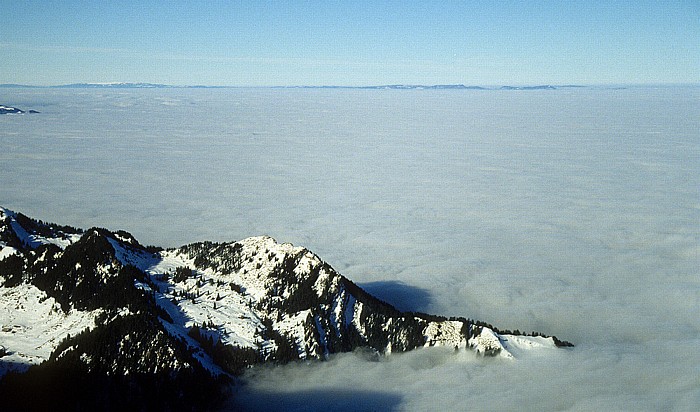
350,43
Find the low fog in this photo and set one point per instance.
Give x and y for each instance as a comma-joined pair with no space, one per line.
573,212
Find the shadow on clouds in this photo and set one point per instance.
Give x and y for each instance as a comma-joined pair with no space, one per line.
316,400
402,296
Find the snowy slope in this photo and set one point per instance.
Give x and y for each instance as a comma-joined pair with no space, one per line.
32,325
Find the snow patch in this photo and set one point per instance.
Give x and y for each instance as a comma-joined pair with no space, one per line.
446,333
520,346
488,342
6,251
33,324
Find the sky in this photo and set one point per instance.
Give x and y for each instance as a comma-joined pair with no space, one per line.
280,43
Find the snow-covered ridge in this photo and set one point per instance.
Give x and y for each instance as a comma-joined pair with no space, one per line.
34,238
264,300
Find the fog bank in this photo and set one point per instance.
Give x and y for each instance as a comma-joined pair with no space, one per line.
573,212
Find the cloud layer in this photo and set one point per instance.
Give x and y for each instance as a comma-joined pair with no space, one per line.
573,212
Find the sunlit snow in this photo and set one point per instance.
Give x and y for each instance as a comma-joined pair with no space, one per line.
32,325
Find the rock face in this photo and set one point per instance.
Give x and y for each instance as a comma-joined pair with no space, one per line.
99,303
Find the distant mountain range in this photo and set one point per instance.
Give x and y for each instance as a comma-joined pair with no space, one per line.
394,87
117,85
91,318
380,87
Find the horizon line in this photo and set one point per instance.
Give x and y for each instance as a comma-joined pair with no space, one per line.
395,86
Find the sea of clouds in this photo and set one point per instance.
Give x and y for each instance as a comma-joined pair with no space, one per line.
573,212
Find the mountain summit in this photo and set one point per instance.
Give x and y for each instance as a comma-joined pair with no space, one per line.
97,310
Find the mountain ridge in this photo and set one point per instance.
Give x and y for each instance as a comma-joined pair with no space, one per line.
98,303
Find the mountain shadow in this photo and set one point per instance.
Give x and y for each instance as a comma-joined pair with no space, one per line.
402,296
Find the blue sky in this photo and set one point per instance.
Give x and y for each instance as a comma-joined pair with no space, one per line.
350,43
